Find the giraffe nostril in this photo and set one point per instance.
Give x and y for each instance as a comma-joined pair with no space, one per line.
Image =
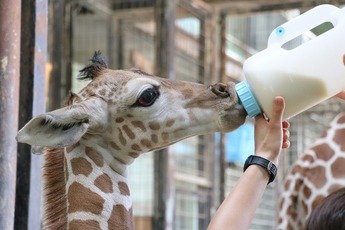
220,89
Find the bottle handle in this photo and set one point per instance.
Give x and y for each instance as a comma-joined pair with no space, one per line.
304,22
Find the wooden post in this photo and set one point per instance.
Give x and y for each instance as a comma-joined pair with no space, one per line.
68,48
164,189
115,42
9,97
32,102
223,78
56,16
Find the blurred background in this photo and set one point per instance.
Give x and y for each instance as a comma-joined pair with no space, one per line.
202,41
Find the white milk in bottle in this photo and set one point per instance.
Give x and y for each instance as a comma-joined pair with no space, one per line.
305,75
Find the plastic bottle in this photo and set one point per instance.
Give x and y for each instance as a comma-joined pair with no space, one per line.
305,75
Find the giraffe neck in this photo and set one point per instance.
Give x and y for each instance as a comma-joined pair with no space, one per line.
86,187
96,189
315,175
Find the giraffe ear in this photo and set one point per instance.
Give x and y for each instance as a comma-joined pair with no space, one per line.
59,128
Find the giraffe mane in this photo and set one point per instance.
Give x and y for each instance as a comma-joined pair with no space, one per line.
140,72
54,191
98,64
71,96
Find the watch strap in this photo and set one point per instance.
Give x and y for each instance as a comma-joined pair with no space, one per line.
268,165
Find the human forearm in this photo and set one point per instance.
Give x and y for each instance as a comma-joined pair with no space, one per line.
236,212
238,208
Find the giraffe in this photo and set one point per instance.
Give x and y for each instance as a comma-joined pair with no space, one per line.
317,173
89,144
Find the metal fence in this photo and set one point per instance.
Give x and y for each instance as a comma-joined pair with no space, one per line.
128,36
209,44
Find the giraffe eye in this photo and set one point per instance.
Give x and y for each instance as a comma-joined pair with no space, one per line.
147,97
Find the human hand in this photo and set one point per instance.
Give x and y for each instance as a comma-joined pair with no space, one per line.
341,95
272,135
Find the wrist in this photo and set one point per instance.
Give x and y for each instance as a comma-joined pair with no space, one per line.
269,156
269,166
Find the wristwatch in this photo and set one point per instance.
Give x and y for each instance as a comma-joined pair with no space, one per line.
268,165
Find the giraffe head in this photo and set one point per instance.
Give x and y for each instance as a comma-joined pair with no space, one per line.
135,112
103,128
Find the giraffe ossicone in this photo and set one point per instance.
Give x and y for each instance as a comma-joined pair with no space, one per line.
120,114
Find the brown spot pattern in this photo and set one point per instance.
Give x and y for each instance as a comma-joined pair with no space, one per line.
95,156
104,183
115,146
129,132
165,136
136,147
317,200
323,152
82,199
334,188
122,138
298,183
170,123
187,93
124,190
308,158
71,147
154,138
81,166
119,119
341,119
154,125
133,154
287,185
83,224
324,134
139,124
339,138
338,169
317,176
65,167
344,59
291,212
296,169
146,143
306,192
120,218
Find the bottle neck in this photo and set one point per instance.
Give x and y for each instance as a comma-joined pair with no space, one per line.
247,99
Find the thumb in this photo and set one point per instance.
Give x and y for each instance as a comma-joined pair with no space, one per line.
278,110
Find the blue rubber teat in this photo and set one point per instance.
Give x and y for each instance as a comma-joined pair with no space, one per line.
247,99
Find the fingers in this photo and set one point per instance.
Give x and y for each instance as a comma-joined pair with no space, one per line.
286,136
286,125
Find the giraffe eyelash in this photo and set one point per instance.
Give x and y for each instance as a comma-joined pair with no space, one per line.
64,127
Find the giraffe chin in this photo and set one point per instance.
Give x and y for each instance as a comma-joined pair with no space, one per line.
37,150
233,119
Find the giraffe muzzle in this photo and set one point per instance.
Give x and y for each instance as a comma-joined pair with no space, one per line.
220,90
